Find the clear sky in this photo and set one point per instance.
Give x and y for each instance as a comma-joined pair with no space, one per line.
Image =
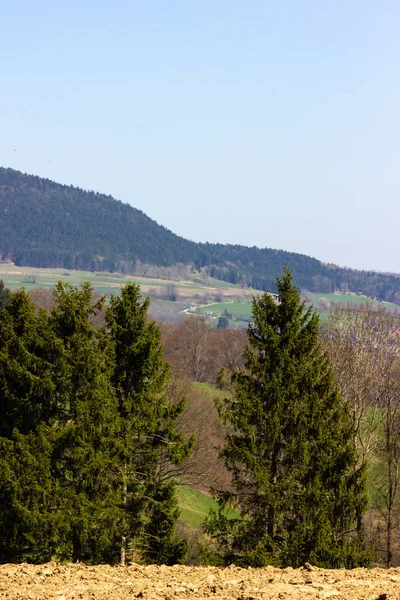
267,123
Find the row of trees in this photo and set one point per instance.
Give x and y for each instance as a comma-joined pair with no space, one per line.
88,443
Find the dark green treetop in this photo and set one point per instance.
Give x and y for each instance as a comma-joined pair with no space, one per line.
292,452
25,366
26,400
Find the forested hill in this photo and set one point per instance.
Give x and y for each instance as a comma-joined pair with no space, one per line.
45,224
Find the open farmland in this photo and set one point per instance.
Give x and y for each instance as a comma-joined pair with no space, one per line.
242,309
78,581
346,299
209,297
110,283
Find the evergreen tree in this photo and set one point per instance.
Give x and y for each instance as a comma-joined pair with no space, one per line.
24,371
162,544
27,520
292,450
84,451
26,402
149,443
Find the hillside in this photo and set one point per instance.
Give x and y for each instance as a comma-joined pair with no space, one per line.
45,224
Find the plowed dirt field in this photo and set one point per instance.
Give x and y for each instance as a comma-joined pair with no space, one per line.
67,582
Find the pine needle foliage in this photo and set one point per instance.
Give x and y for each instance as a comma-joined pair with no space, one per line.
26,403
86,429
291,453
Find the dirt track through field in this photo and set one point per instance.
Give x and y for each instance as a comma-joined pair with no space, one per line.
80,582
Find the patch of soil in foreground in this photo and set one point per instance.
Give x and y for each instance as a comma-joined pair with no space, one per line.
66,582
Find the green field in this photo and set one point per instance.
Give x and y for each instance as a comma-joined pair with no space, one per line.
189,291
243,310
194,505
47,278
240,310
104,283
341,299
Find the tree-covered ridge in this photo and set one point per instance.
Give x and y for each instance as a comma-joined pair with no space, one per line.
46,224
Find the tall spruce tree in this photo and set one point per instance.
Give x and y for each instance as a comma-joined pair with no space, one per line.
291,452
84,451
27,407
149,442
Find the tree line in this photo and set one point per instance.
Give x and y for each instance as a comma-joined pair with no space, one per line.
92,445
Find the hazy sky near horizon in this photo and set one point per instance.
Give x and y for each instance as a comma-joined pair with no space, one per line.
273,124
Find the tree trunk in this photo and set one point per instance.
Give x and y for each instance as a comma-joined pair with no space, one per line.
122,559
76,548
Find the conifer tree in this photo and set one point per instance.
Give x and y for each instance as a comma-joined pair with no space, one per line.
87,429
291,452
26,402
149,442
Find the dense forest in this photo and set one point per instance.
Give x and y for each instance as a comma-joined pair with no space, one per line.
45,224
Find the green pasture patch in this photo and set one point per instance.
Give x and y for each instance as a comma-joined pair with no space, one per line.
210,281
376,472
241,310
342,299
194,505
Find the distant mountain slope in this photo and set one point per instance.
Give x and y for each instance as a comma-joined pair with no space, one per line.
45,224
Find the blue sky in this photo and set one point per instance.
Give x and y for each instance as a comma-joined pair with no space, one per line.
273,124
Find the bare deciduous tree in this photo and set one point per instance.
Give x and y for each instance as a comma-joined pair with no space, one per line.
364,345
187,349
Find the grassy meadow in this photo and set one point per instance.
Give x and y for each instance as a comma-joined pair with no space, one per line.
194,505
110,283
241,310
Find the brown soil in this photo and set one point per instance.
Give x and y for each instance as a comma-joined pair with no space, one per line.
80,582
